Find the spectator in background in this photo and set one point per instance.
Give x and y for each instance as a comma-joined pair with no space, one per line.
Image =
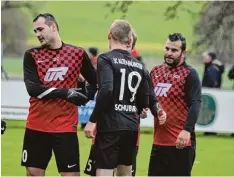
3,71
231,74
213,71
93,55
231,77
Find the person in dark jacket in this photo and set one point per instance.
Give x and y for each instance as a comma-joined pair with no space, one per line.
231,74
213,71
231,77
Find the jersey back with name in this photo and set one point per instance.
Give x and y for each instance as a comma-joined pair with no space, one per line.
128,79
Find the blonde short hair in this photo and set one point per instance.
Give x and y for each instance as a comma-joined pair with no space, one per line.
121,31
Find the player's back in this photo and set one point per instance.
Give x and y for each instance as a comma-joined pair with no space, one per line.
129,92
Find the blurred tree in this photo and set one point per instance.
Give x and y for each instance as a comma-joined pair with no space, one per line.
15,25
213,30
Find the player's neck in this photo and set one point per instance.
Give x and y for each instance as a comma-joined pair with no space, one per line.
56,44
119,46
180,63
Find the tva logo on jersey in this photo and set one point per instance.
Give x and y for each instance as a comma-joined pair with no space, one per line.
161,89
54,74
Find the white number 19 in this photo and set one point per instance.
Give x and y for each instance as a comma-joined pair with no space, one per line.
132,89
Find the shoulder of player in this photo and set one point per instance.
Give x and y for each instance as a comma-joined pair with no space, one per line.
157,67
104,56
192,71
74,47
33,49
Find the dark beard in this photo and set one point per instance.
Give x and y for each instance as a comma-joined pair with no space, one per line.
176,61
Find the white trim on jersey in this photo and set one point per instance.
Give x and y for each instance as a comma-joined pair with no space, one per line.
45,93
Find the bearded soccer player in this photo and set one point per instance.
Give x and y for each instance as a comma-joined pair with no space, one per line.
178,90
51,74
123,93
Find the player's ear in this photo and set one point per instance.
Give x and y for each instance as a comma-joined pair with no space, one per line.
184,53
109,36
134,41
54,27
129,43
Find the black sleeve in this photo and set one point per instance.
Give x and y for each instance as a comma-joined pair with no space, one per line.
153,102
105,83
33,85
193,99
142,96
89,72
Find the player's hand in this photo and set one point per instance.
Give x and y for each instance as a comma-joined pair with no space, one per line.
76,97
162,117
90,129
182,139
3,126
144,114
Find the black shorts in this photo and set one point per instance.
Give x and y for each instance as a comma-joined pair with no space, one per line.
38,147
170,161
90,168
115,148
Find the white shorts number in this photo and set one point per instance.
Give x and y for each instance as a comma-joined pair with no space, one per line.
89,165
24,155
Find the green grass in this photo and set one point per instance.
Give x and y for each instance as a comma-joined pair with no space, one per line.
215,155
84,23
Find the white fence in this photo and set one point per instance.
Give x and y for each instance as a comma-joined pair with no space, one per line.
217,112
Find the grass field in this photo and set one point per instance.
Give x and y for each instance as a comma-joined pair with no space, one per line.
215,155
85,23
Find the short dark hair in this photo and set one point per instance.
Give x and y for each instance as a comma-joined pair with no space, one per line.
178,37
93,51
212,55
49,19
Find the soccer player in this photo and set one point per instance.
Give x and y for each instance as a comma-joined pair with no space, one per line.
155,109
51,74
178,90
123,93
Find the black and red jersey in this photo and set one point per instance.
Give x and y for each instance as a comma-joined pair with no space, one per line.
178,90
48,74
